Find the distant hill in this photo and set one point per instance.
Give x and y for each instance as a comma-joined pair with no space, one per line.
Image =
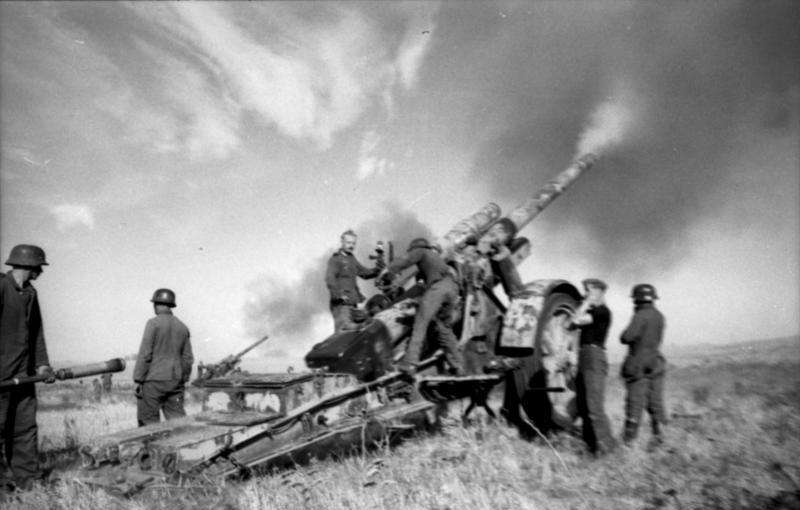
770,350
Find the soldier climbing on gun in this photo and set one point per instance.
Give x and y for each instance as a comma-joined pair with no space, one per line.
436,305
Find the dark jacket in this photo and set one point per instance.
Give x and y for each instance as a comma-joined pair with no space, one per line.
340,277
594,333
22,346
431,266
643,337
166,352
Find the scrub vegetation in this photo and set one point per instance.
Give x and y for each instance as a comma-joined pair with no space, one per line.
733,442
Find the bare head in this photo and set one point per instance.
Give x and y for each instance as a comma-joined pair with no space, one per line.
595,290
348,239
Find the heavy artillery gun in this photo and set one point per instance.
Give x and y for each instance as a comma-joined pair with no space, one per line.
353,396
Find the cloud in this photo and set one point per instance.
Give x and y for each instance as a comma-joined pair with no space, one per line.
73,215
308,74
368,162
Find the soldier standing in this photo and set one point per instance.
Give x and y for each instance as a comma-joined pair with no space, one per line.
106,380
593,318
164,364
22,353
436,304
644,366
340,278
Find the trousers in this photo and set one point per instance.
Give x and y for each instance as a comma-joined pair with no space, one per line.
434,310
645,392
19,441
590,394
157,397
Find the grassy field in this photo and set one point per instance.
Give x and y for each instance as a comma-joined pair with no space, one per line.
733,443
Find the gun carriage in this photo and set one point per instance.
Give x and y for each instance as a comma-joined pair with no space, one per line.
352,396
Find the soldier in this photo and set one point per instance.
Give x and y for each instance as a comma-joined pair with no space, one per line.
506,261
23,352
106,379
340,278
644,366
436,304
593,318
164,364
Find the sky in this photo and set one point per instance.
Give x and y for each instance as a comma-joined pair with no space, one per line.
220,149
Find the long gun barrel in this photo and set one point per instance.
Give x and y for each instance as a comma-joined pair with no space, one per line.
526,212
227,365
251,347
105,367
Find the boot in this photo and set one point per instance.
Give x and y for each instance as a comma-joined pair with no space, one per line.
631,431
656,440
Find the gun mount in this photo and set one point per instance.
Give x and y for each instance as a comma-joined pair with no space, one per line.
352,396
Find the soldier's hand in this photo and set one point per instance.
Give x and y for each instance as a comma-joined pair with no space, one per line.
48,371
386,279
137,391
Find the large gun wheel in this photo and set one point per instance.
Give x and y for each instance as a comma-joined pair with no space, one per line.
550,399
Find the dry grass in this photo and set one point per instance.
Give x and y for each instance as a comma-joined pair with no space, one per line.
732,445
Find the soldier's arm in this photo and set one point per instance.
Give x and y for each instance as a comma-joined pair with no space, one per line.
187,359
408,260
582,316
366,272
145,356
633,332
331,273
41,357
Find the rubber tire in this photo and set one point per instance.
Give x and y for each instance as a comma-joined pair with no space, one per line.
539,405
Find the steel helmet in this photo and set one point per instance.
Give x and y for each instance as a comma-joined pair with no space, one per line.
419,242
164,297
644,292
26,255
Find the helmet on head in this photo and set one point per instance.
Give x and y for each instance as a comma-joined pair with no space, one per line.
419,242
164,297
26,255
644,292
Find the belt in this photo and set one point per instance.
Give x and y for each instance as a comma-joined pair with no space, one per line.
593,345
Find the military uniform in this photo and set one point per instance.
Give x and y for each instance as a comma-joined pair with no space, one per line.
163,367
436,305
340,278
22,351
591,380
643,370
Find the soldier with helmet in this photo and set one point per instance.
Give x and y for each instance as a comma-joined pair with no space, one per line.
340,278
436,304
644,366
22,353
164,363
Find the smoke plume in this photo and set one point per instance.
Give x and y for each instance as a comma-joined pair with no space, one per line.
287,309
608,125
706,83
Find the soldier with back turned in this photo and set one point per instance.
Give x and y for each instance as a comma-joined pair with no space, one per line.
164,363
644,367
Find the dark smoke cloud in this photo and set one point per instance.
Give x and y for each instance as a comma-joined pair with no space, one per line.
703,73
283,308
